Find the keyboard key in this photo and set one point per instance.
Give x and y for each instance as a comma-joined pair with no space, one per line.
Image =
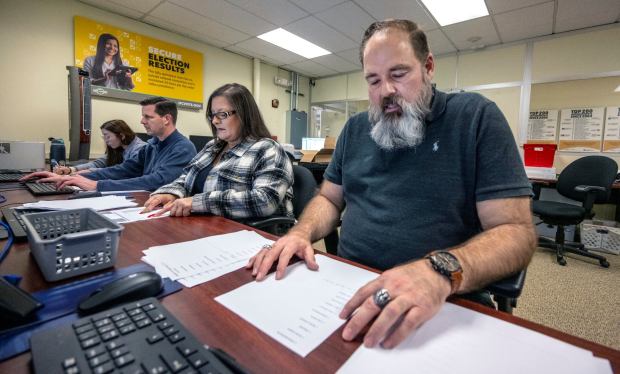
174,338
170,330
96,361
92,352
156,315
68,362
154,338
116,353
143,323
87,335
197,360
108,367
175,361
119,316
83,329
133,369
123,322
113,345
127,329
103,322
90,342
163,325
104,329
124,360
109,335
148,307
185,349
72,370
153,365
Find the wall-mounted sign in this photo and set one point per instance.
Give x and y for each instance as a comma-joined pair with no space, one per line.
127,65
542,126
611,139
581,129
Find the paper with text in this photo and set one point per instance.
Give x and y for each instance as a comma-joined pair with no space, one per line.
301,310
197,261
459,340
96,203
131,215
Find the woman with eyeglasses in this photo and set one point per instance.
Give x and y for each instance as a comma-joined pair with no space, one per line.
241,173
121,144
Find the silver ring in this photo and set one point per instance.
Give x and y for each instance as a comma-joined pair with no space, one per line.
381,298
267,246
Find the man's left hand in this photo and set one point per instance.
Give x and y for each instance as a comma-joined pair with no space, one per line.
79,181
416,292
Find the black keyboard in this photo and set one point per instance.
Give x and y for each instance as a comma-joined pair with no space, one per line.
139,337
13,217
47,189
10,177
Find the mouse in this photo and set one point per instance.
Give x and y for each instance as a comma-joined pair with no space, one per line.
123,290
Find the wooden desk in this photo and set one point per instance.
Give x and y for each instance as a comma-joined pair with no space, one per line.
211,322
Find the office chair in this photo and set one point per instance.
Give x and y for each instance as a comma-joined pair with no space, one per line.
304,189
588,180
200,141
143,136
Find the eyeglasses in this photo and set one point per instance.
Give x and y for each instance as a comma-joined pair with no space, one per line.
221,115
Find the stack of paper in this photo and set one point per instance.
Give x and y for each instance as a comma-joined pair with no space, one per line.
96,203
201,260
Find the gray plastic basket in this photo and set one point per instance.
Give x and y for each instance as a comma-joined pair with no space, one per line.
72,242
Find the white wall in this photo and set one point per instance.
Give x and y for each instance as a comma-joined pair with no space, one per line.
37,37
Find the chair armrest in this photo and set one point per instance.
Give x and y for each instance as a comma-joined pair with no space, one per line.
586,189
591,192
272,221
510,287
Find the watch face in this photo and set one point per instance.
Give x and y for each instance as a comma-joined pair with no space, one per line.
447,261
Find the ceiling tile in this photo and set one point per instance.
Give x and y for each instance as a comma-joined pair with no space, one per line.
278,12
228,14
143,6
310,68
314,6
115,8
347,18
184,31
264,50
438,43
578,14
525,23
336,63
182,17
399,9
481,27
501,6
317,32
351,55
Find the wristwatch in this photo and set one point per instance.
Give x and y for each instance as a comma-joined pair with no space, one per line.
446,264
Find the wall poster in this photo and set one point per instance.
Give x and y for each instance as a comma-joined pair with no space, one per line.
542,126
581,129
611,139
127,65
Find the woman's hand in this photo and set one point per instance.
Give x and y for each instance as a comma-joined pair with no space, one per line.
157,200
62,170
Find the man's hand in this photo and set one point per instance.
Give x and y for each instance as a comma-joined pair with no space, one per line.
417,292
158,200
294,243
76,180
39,174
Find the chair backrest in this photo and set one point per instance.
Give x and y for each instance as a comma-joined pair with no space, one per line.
304,188
200,141
590,171
143,136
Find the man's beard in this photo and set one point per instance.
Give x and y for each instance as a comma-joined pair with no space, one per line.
400,130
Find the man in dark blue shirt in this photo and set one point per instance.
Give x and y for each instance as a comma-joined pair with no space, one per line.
158,163
434,190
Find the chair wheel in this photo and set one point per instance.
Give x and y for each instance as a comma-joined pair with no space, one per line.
604,263
562,261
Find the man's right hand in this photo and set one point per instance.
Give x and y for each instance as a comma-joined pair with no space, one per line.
294,243
158,200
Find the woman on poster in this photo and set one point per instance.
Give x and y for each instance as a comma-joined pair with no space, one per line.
106,67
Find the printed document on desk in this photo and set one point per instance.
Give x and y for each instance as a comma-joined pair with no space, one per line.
301,310
460,340
128,215
96,203
198,261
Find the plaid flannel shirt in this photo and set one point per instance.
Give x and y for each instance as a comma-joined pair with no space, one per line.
253,179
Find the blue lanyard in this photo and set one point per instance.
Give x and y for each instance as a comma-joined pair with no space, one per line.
9,242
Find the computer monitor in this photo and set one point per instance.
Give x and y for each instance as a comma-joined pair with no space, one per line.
312,144
25,156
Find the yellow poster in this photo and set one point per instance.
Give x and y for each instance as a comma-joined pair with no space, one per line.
122,60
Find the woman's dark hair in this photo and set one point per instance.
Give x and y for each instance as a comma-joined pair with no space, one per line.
417,38
243,103
119,128
97,72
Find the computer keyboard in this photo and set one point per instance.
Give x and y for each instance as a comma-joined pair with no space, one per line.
139,337
10,177
13,217
47,189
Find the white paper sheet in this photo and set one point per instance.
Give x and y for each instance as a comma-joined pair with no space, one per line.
301,310
128,215
459,340
96,203
197,261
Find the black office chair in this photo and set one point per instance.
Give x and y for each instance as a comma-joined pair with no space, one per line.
200,141
143,136
588,180
304,189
